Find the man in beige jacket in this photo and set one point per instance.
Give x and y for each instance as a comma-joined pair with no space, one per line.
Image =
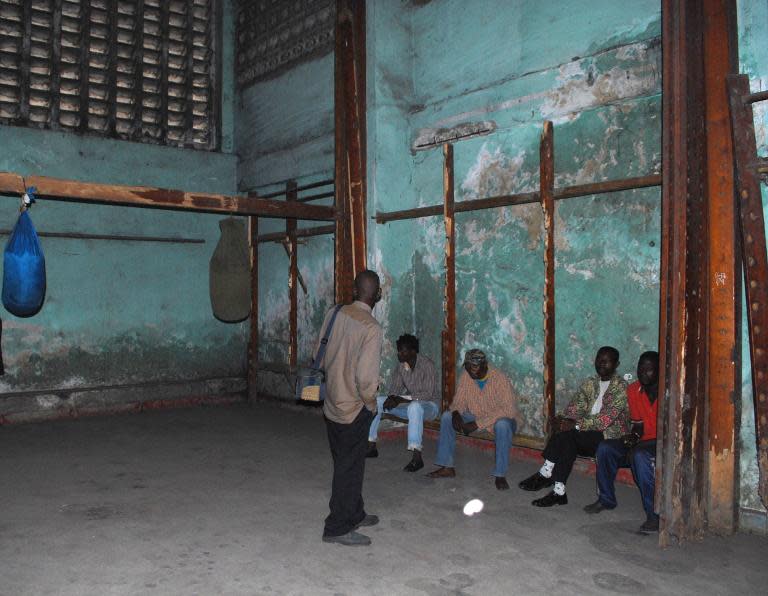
351,363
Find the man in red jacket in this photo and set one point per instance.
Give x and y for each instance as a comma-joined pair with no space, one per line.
638,448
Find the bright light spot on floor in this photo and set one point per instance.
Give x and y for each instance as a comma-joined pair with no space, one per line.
474,506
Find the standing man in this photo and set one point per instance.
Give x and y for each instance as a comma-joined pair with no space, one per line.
351,364
413,394
484,400
598,411
638,448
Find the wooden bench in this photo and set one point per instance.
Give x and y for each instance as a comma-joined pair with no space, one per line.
524,447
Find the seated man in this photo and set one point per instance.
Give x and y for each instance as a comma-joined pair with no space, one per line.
413,394
598,411
637,448
484,400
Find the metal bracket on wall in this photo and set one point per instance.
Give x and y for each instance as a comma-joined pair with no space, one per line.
748,169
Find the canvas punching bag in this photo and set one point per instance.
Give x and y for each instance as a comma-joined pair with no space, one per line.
230,273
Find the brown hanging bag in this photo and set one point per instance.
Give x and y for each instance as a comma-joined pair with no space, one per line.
230,273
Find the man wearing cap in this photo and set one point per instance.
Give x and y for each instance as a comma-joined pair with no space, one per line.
484,400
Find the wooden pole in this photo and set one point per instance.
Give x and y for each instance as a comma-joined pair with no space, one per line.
449,305
293,275
724,374
546,192
253,339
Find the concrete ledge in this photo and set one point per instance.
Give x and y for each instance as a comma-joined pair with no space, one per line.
754,521
36,406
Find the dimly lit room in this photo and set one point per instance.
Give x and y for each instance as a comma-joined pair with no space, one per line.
349,297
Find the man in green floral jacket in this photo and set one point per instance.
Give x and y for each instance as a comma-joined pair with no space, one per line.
598,411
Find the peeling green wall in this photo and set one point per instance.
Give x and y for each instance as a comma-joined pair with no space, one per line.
753,61
119,312
438,65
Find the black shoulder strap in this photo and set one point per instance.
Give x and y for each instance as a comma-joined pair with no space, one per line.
324,342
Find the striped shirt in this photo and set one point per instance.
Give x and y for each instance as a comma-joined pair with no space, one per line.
495,400
351,363
420,382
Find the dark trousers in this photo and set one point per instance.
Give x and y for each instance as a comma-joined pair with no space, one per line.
349,444
612,454
563,449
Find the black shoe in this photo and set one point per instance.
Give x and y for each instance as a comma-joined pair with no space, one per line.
597,507
349,539
501,483
372,451
536,482
550,499
414,465
368,520
651,525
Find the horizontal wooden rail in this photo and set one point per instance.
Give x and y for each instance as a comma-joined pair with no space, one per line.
281,193
755,97
161,198
567,192
118,237
300,233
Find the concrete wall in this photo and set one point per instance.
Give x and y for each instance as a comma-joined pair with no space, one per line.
753,61
123,322
507,66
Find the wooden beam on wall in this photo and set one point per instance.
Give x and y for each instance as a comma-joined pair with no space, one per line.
681,461
291,195
350,139
755,260
253,339
547,194
724,374
143,196
449,305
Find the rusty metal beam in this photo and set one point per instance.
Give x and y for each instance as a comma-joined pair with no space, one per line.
681,471
546,192
300,233
449,305
755,261
525,198
350,135
143,196
724,284
253,338
293,278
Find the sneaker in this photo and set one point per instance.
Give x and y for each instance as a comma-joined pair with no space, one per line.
368,520
349,539
550,499
651,525
536,482
597,507
372,451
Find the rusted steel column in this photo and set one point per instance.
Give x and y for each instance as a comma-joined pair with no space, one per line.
724,378
291,194
253,339
755,261
546,192
681,472
350,138
449,304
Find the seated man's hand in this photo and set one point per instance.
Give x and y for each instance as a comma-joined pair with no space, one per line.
391,402
457,422
630,440
561,424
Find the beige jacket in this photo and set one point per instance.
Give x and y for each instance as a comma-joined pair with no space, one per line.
351,362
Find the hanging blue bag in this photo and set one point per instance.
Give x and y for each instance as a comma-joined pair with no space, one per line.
24,266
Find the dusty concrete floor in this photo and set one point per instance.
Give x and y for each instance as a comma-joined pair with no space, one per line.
231,500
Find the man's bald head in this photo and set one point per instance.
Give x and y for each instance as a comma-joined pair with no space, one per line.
368,287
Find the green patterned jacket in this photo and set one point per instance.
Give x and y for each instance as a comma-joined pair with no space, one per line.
613,418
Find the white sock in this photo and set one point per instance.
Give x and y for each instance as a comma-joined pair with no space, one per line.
559,488
546,469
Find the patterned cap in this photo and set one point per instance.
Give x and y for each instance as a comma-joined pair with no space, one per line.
475,357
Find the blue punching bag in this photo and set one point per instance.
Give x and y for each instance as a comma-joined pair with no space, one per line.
23,268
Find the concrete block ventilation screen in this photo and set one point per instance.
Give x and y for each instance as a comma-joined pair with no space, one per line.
140,70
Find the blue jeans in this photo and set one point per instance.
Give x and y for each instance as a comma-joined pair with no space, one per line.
612,454
503,430
415,412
